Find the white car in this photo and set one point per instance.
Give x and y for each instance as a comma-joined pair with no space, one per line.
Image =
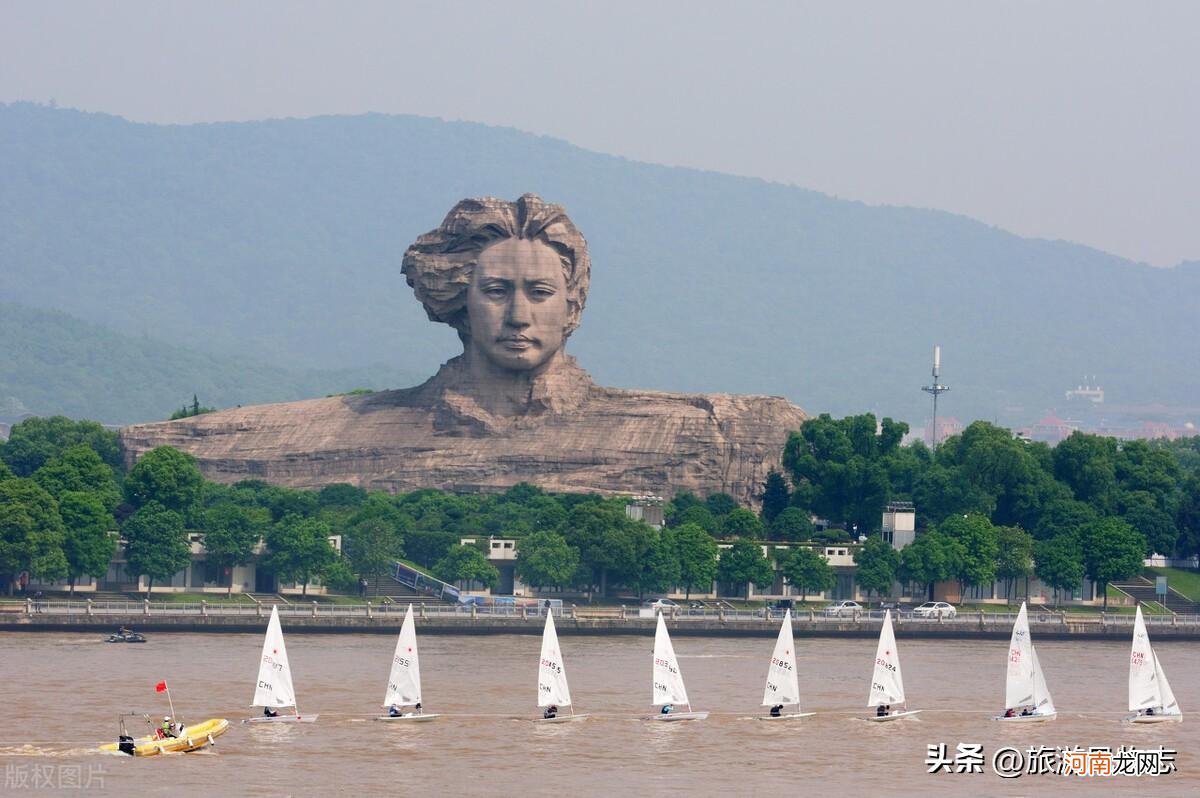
659,604
842,609
934,609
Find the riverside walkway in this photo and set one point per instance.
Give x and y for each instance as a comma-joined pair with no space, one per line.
315,617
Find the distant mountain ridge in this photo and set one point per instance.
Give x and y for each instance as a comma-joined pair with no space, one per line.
281,241
56,364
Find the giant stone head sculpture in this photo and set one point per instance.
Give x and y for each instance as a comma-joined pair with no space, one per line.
510,277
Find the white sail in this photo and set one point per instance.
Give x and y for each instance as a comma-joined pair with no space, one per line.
274,688
1148,686
1041,696
552,674
1018,688
1169,705
1143,681
887,685
667,680
783,684
404,680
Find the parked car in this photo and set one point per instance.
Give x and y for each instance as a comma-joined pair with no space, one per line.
934,609
782,604
659,604
842,609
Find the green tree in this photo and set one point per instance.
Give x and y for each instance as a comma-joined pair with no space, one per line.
697,554
1112,550
373,545
792,524
5,471
545,559
877,563
1087,464
980,548
807,570
720,504
194,409
299,550
167,476
231,534
156,544
741,523
341,494
698,515
466,564
658,564
1059,563
682,501
932,557
1157,527
744,564
1015,558
776,496
606,540
425,547
79,468
88,543
31,532
33,442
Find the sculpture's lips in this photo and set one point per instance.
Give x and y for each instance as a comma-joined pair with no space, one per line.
517,342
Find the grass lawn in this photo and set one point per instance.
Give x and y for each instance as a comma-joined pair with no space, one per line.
1186,582
196,598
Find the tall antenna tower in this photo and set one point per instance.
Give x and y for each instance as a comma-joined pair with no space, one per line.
936,389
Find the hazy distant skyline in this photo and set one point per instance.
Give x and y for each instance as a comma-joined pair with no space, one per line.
1073,120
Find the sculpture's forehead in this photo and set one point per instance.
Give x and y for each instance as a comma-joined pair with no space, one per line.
519,259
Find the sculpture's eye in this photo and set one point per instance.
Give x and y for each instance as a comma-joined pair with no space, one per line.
494,291
542,292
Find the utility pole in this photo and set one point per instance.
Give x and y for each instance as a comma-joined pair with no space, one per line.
936,389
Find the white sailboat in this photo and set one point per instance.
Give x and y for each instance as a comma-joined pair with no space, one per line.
274,689
667,680
1150,696
552,679
887,683
404,680
783,684
1026,699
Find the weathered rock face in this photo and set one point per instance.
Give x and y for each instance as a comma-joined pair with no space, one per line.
512,279
579,437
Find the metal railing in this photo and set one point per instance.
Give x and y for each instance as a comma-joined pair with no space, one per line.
537,609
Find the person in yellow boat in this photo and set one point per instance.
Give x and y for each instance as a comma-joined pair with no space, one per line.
167,729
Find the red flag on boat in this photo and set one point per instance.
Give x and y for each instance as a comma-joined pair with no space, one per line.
161,687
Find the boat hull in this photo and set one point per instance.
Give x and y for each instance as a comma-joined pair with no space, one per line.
1026,718
791,716
561,719
408,718
193,738
674,716
282,719
893,716
1155,719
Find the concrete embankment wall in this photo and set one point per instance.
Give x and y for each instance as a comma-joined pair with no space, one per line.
971,628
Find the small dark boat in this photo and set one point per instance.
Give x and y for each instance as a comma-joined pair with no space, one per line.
126,637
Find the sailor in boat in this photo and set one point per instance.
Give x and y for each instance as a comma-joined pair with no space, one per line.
551,712
269,713
1010,713
1150,711
777,710
883,710
167,729
394,711
666,710
417,709
1026,712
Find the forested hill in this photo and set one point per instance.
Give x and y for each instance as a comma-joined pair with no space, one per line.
56,364
281,241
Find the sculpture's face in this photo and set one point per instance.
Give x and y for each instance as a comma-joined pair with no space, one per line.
517,304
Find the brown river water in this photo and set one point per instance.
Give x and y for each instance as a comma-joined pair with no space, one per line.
60,694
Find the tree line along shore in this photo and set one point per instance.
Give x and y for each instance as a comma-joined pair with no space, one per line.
989,506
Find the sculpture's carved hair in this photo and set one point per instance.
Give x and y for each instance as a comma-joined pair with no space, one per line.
439,264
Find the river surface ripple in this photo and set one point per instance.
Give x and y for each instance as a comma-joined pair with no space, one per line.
61,692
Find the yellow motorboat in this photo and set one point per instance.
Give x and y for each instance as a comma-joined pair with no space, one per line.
192,738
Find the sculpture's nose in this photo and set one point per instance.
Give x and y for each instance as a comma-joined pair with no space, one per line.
518,310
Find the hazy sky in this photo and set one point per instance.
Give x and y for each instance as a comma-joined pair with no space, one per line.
1074,120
